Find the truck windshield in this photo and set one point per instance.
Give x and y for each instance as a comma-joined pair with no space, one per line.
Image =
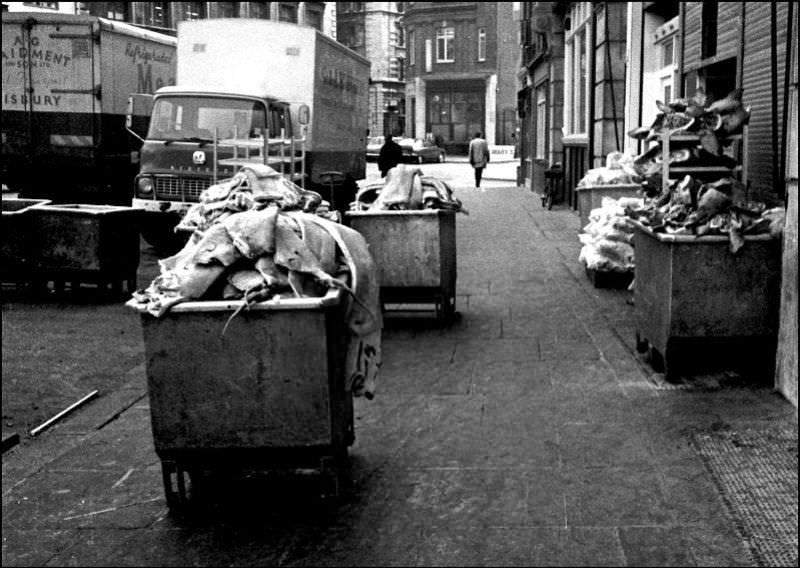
193,119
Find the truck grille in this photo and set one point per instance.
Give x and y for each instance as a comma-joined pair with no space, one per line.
186,188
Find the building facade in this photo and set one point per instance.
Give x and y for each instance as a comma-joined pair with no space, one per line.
373,30
541,91
461,68
164,16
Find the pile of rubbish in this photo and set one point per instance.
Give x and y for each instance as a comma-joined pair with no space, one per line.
256,237
617,171
691,207
406,188
608,237
703,128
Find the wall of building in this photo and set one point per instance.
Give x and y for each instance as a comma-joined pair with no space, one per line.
488,83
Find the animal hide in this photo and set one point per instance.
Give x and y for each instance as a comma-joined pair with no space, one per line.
363,310
402,190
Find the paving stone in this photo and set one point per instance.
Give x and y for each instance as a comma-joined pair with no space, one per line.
613,497
576,546
459,544
100,499
655,546
489,352
602,444
34,547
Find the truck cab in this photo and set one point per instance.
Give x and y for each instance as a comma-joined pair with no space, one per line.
197,137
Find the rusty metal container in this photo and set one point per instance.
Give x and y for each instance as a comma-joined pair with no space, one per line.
85,243
591,197
698,306
268,394
16,237
415,253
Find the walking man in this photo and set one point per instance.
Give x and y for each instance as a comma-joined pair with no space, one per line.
478,157
389,156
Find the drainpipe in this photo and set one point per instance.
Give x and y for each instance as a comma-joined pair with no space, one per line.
786,79
774,65
641,79
682,20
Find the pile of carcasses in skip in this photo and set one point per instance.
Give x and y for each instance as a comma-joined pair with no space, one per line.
259,237
688,205
405,188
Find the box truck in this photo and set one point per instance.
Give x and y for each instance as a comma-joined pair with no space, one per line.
252,90
66,83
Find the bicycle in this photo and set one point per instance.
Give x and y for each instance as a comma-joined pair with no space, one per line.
552,178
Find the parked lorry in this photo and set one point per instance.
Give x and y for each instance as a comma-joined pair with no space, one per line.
252,90
66,83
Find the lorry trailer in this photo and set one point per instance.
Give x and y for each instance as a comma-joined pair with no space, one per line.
259,90
66,83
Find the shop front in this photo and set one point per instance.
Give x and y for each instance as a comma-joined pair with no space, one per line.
456,111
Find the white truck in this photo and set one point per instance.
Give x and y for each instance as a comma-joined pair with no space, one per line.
66,83
247,89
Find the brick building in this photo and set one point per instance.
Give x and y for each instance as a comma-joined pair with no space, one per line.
461,71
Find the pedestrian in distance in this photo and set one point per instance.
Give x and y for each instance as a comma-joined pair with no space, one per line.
389,155
478,157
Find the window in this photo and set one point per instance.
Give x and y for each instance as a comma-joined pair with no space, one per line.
287,12
398,36
192,10
226,10
444,45
666,89
351,34
709,40
481,44
259,10
668,52
110,10
577,42
178,118
155,14
314,19
541,122
49,5
583,70
412,56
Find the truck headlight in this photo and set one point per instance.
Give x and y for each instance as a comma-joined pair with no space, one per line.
145,185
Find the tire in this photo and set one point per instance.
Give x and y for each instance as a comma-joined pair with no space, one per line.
419,160
441,158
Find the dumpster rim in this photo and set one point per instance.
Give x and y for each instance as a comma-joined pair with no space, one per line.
333,297
404,212
634,186
695,239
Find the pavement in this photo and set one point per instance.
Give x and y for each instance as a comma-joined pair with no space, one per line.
528,432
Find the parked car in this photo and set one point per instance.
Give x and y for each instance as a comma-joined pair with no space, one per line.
374,144
419,151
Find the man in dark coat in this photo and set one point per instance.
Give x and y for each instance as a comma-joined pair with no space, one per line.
389,156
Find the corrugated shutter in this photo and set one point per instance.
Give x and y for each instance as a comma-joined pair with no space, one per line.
692,34
758,93
728,29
